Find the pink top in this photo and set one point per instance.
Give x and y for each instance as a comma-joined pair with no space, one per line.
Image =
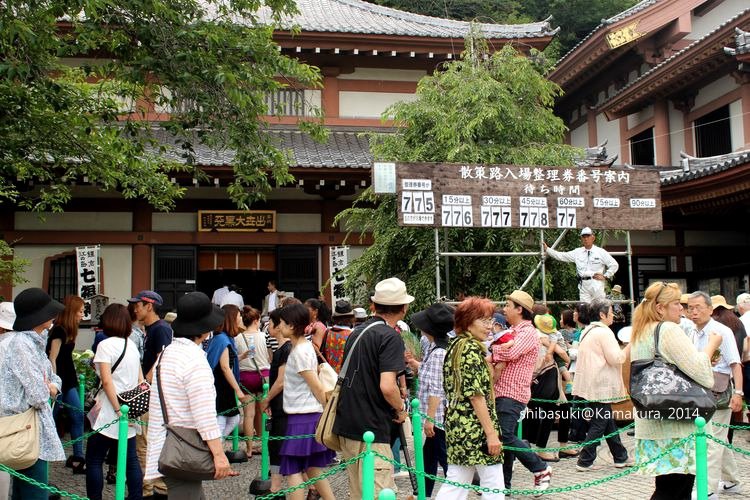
515,380
189,394
599,365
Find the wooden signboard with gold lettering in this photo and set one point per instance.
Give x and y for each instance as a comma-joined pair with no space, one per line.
237,220
512,196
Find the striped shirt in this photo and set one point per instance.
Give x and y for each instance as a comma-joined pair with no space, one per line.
515,380
189,394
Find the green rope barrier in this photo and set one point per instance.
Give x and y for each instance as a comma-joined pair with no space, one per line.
728,445
730,426
563,448
580,401
42,486
330,472
561,489
89,434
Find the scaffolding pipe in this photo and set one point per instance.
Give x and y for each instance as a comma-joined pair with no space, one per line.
541,261
489,254
544,267
630,273
437,265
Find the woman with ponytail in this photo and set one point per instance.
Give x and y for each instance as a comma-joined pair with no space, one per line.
675,471
471,425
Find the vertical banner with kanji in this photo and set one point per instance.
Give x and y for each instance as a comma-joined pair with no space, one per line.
339,260
87,259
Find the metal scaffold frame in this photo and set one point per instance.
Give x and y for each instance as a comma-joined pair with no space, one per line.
541,266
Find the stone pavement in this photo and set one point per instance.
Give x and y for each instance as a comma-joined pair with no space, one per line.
632,487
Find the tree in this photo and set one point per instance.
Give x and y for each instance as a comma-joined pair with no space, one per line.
11,269
209,63
472,110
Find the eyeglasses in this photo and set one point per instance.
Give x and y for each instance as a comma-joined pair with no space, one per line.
487,321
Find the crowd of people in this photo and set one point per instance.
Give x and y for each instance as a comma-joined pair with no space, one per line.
477,370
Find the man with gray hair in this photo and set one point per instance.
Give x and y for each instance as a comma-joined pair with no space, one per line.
721,464
743,307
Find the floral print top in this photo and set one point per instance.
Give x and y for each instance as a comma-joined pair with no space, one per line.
464,435
24,370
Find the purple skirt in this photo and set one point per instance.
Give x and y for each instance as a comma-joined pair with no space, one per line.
298,455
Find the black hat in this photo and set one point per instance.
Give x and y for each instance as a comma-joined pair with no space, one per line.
196,315
343,308
34,307
437,320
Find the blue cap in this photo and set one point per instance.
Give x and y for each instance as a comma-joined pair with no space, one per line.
148,296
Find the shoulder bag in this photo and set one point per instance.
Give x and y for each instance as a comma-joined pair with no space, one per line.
324,429
661,390
19,439
184,455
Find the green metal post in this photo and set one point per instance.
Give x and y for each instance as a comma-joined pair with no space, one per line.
236,431
122,453
387,494
265,459
519,432
368,468
416,423
81,390
701,459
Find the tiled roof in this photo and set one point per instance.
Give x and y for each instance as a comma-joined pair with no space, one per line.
675,56
702,167
357,16
642,5
343,150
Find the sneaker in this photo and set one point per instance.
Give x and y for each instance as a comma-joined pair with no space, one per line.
711,496
542,480
590,468
623,465
729,488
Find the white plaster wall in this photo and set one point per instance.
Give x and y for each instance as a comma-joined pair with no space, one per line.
116,262
641,116
677,134
716,16
300,223
736,125
174,221
397,75
609,131
369,104
716,239
74,221
645,238
312,99
579,137
714,90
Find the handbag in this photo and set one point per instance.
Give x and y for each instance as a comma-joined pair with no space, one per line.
722,390
19,439
184,455
328,377
545,385
137,399
324,429
660,390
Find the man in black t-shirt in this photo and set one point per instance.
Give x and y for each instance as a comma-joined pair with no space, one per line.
370,399
158,336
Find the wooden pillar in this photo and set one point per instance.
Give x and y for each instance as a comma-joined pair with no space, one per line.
662,144
330,94
591,122
624,141
141,254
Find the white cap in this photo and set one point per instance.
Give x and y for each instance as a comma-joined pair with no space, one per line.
7,315
359,312
586,231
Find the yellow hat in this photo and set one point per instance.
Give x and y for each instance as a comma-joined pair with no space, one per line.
523,299
545,323
720,301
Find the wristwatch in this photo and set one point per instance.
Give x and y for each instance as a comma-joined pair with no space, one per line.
739,393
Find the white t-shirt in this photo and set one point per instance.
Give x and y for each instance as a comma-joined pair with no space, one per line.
125,377
298,398
255,342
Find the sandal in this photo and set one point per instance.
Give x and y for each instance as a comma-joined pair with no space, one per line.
111,474
78,464
79,468
568,454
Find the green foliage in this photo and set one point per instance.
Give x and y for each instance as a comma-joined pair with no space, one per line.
72,96
11,270
475,110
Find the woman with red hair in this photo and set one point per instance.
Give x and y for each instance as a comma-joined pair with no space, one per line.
471,425
60,345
